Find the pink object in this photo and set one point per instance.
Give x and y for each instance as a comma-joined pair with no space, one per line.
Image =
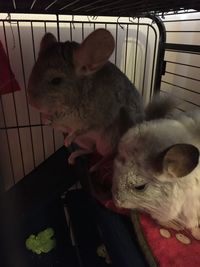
170,251
8,82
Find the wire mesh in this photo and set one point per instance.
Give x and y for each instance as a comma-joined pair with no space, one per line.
182,59
25,140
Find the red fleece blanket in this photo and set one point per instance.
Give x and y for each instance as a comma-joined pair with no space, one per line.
8,82
161,246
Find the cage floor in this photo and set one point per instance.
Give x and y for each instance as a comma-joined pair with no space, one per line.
13,252
35,203
93,225
49,180
32,205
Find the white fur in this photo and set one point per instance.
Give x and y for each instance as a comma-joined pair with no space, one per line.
166,201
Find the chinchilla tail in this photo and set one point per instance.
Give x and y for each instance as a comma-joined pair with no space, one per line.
160,107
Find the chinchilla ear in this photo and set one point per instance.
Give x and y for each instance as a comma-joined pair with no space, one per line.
47,40
94,52
177,161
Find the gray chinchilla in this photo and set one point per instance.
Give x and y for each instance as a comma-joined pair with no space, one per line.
81,93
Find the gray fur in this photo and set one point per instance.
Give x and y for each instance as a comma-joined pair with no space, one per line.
160,107
83,102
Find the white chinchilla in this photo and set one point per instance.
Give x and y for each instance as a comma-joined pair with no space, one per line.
157,170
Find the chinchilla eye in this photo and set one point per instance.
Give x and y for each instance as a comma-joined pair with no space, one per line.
56,80
140,187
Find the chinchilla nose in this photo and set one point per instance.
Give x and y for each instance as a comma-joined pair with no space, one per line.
116,199
46,119
33,96
32,100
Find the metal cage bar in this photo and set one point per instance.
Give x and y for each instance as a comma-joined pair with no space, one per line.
130,38
182,56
